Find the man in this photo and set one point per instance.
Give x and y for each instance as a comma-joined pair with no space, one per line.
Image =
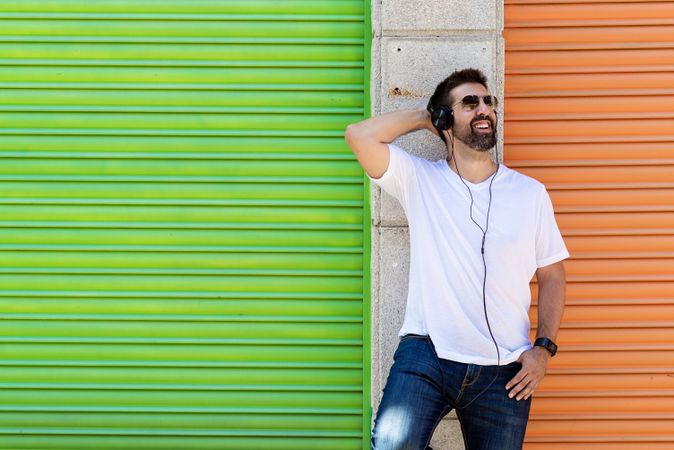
478,233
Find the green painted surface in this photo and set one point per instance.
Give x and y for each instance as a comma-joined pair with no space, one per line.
184,235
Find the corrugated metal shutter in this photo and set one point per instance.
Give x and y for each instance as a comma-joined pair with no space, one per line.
589,109
181,225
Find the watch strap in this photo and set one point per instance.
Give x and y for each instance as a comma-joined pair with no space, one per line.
547,344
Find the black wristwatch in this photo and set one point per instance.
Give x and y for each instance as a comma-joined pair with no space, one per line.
546,344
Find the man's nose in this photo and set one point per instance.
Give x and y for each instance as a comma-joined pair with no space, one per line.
482,108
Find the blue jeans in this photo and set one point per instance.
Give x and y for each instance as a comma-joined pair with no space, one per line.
422,388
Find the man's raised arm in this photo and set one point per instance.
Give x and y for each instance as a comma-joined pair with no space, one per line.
369,138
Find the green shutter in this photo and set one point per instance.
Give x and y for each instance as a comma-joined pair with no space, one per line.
181,225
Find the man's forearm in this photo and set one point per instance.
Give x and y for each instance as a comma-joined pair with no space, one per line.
551,295
387,127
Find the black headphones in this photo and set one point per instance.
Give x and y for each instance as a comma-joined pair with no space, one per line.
442,116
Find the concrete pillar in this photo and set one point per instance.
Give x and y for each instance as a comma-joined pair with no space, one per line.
417,43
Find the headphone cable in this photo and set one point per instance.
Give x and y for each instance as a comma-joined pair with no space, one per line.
484,262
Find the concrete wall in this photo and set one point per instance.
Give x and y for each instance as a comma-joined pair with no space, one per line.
418,43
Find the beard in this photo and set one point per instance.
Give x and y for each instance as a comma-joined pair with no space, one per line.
481,142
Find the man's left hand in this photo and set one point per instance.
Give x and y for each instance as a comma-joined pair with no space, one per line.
534,362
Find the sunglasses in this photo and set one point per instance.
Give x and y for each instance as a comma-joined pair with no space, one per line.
470,102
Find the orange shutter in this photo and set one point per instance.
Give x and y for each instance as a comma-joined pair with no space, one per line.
590,112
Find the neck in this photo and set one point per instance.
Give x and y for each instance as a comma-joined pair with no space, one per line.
473,165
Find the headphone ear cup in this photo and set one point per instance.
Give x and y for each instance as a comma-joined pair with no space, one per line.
442,118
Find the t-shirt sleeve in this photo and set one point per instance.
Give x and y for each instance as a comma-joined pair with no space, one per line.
399,174
550,247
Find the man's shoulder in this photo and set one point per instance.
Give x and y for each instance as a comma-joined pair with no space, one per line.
522,181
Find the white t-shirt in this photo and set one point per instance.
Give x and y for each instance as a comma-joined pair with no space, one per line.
446,270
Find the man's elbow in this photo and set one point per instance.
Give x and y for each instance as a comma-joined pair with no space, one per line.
352,136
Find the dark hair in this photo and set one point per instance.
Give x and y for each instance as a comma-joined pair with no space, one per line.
457,78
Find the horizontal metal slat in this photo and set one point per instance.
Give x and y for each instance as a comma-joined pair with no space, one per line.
182,341
634,432
189,262
225,240
326,240
615,404
591,59
326,16
588,154
25,55
208,63
189,27
606,382
629,246
605,356
534,80
207,399
145,86
594,223
156,98
618,267
199,377
620,290
603,177
163,422
111,432
599,127
143,225
179,249
211,332
325,156
301,354
169,283
591,34
178,318
172,121
49,39
178,110
151,169
612,200
522,13
311,309
615,316
533,108
183,7
618,335
204,214
192,410
244,387
314,190
312,147
191,76
291,423
594,394
54,441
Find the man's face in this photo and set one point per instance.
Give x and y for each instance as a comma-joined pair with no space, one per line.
474,127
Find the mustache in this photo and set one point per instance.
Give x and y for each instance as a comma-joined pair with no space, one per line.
480,118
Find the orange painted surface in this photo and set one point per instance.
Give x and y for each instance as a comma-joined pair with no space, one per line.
589,111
